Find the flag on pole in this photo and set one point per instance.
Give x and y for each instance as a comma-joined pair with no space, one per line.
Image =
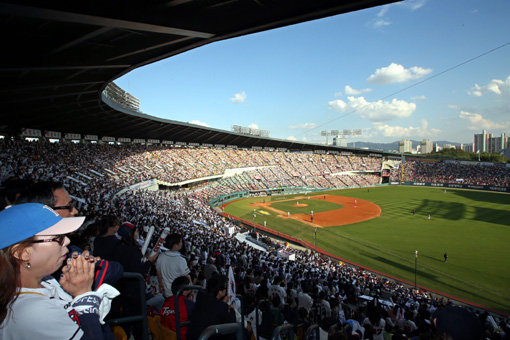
231,289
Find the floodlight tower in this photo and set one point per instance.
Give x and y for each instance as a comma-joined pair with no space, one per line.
329,133
356,132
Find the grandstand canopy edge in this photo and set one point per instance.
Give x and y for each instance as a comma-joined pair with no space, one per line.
58,57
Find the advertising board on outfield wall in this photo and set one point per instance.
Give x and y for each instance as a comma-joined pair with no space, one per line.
454,185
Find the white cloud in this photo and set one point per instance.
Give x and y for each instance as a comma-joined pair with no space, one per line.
338,94
396,73
474,11
382,19
398,131
495,86
383,11
378,111
253,126
453,107
378,23
238,98
292,138
337,105
413,5
422,97
197,122
349,91
478,122
303,126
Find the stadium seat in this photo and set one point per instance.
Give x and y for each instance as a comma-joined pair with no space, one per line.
167,334
118,333
154,324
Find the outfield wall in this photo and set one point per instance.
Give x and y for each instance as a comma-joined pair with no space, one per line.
454,185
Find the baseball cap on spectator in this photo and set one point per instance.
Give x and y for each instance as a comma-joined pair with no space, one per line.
458,323
19,222
125,229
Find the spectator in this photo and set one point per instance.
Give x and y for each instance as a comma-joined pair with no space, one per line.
107,241
186,306
457,323
33,304
171,264
211,308
126,252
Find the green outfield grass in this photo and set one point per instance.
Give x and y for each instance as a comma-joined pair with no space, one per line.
473,227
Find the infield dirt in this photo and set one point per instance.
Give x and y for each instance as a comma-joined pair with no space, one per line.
354,210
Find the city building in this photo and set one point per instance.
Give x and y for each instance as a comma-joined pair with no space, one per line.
481,141
448,146
405,145
499,144
486,142
426,146
466,147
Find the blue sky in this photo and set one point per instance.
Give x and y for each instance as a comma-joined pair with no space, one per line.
340,73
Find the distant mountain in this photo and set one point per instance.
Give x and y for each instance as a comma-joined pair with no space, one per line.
393,146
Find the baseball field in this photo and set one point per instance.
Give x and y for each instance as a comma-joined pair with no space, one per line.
381,228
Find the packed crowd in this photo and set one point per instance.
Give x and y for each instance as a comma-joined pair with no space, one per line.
454,172
130,164
345,301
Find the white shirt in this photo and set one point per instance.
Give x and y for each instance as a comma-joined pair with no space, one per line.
171,265
41,313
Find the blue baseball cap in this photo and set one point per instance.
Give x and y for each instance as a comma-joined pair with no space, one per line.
19,222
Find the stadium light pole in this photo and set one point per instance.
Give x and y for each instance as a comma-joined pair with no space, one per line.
415,266
315,238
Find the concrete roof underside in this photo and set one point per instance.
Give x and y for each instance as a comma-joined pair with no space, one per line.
58,56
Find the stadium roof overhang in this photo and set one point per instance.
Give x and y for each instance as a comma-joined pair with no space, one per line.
58,56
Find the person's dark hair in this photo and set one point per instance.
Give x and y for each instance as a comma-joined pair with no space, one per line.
11,189
172,240
10,276
107,222
41,192
178,283
216,283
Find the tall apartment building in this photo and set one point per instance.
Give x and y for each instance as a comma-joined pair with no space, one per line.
486,142
426,146
499,144
466,147
481,141
405,146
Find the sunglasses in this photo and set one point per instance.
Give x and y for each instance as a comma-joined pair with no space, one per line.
69,207
60,239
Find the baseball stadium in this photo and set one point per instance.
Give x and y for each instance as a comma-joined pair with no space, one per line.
273,238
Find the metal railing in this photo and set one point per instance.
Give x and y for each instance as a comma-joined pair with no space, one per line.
178,323
142,316
287,328
313,332
223,329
